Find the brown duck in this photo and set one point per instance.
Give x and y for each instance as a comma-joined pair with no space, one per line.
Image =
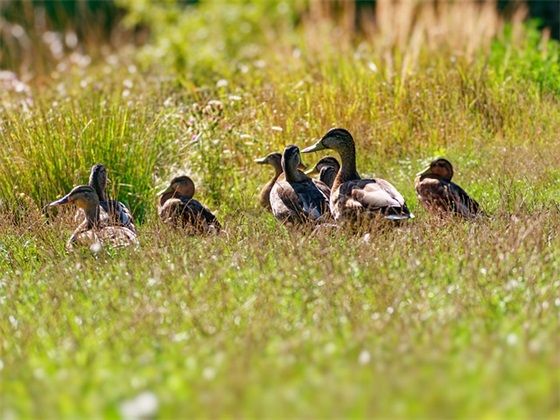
327,168
352,197
176,206
275,160
93,232
299,198
438,195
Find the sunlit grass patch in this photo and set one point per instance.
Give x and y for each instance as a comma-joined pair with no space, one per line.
415,307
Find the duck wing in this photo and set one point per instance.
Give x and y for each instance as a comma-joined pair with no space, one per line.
323,187
462,203
373,196
189,214
119,214
313,201
441,196
197,214
285,203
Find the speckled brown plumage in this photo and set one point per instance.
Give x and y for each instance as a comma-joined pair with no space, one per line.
298,199
93,231
177,207
355,198
438,195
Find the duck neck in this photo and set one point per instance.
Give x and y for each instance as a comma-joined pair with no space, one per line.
347,170
292,173
328,175
265,193
96,184
277,173
92,216
277,170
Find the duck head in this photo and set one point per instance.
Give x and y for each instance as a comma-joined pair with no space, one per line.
291,159
336,139
324,163
440,168
82,196
275,160
180,187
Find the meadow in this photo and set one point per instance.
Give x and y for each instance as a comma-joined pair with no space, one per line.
432,318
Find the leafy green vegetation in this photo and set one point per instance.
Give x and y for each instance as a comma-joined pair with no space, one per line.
428,319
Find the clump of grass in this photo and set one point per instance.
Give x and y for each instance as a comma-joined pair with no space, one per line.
55,138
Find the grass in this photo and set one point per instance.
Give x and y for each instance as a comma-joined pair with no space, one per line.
431,319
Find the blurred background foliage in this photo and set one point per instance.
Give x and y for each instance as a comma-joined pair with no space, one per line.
198,37
211,36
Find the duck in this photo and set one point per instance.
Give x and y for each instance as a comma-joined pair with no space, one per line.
438,195
298,198
354,199
177,207
117,212
93,231
327,168
273,159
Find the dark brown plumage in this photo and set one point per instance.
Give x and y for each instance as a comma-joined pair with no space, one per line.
275,160
298,199
176,206
113,210
93,232
327,168
438,195
353,197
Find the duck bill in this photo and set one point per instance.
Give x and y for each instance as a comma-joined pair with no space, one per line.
315,148
312,171
261,161
62,202
166,191
426,171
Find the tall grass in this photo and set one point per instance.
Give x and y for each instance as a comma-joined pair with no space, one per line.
55,135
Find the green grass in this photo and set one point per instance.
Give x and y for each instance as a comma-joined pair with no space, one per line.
430,319
422,321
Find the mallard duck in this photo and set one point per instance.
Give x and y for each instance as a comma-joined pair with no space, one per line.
275,160
118,213
93,232
438,195
298,199
176,206
327,168
352,197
